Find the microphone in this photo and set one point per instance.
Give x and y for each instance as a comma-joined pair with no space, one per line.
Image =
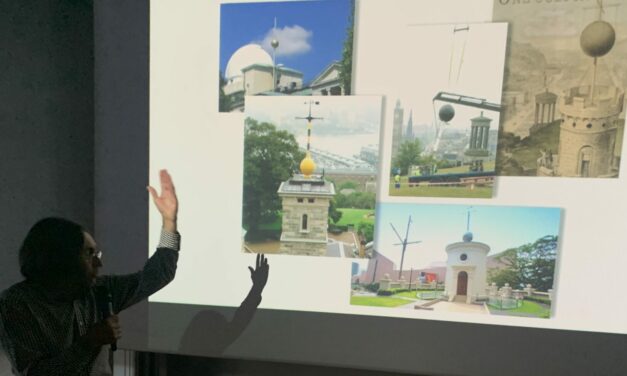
105,306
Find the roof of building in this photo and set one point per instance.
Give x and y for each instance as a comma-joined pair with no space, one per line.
245,56
334,65
280,69
481,118
546,97
314,186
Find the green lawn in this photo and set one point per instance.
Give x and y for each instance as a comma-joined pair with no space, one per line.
528,308
378,301
355,216
533,308
349,216
407,294
435,191
487,166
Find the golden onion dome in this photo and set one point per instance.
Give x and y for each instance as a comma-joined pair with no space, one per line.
307,165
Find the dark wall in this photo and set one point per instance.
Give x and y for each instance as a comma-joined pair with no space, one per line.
46,119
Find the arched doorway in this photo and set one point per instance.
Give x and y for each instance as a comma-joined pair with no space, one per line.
462,283
585,158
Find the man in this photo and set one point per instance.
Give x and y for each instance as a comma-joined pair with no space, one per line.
50,323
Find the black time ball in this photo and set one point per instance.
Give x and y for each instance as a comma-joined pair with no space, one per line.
447,113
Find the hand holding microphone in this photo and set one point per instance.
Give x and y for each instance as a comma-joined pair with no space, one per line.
107,331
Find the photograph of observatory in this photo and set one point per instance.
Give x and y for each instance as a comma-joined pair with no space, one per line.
285,48
563,97
310,175
487,260
442,106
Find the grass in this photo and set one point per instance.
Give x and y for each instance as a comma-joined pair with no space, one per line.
434,191
532,308
487,166
528,308
378,301
387,301
355,216
349,216
407,294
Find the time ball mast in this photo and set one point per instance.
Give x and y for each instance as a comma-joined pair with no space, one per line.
305,200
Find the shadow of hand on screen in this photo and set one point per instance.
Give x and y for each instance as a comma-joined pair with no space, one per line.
211,332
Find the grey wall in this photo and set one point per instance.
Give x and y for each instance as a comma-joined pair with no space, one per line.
46,119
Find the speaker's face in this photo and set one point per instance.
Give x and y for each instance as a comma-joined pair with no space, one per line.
90,261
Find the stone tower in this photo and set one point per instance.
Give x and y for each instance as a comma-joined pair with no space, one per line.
588,133
397,128
479,137
305,198
305,202
409,133
546,103
590,115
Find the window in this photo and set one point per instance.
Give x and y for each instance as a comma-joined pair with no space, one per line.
299,200
310,200
304,223
463,257
589,125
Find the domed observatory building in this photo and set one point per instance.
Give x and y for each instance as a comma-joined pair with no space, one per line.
590,127
466,270
305,198
245,56
251,71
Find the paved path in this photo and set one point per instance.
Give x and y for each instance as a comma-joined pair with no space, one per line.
459,307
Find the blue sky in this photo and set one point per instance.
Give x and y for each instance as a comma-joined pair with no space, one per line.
313,31
501,227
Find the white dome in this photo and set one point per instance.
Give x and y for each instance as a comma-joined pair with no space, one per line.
245,56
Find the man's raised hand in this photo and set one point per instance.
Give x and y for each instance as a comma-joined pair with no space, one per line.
167,203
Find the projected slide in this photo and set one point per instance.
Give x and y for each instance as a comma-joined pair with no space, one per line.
380,195
491,260
564,89
310,174
288,47
443,96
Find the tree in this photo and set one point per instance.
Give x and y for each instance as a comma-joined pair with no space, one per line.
349,184
346,64
532,263
270,156
538,262
334,214
408,155
509,272
366,229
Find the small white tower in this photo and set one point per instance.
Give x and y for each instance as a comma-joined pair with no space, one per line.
466,269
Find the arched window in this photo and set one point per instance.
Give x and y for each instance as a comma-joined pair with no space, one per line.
303,226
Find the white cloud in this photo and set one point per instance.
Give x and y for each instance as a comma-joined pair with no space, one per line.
293,40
